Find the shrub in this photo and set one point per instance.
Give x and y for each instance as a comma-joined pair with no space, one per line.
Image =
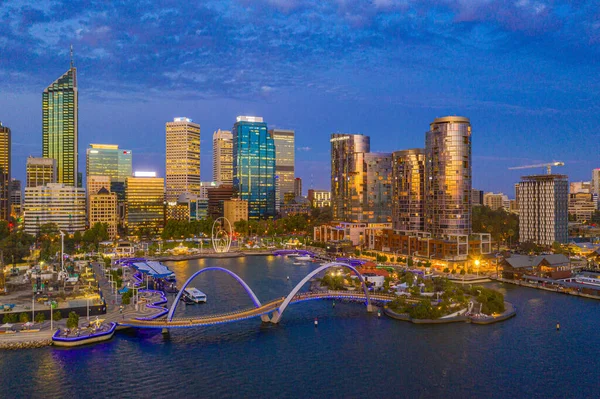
40,318
24,317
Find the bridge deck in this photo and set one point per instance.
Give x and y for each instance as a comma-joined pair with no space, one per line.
269,307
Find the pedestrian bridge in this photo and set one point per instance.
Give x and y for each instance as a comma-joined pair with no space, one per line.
263,311
269,312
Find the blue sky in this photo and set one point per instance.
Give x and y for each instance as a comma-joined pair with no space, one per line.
526,72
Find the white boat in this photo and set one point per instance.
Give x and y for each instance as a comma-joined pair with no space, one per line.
293,255
194,295
304,257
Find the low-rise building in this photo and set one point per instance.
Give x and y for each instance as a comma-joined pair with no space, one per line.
582,206
235,210
340,231
298,206
518,267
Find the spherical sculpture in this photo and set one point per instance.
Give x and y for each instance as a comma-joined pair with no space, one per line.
221,235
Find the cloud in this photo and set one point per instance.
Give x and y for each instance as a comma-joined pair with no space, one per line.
303,149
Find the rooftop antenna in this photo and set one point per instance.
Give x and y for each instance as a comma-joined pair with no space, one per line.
72,62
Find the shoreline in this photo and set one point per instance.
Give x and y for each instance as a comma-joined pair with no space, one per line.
550,289
175,258
509,312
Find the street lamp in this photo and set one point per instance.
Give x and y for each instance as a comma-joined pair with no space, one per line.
62,250
477,262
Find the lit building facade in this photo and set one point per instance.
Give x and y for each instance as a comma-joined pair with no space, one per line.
5,155
223,156
96,183
60,121
103,209
109,160
377,204
319,198
183,158
145,202
408,186
40,171
254,166
448,183
496,201
235,210
595,183
54,203
576,187
347,175
16,198
543,209
284,163
582,206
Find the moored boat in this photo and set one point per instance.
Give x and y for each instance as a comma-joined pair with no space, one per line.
100,333
193,295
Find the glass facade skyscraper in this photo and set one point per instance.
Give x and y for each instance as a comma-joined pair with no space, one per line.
109,160
5,152
408,186
448,171
60,126
284,163
254,166
347,175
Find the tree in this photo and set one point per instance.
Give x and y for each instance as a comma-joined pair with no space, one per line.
56,316
40,317
23,317
73,320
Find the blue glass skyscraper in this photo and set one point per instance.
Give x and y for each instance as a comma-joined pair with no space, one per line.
254,166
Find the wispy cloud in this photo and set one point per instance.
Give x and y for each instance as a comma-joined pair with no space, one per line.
303,149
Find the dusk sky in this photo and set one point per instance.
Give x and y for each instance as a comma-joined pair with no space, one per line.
526,72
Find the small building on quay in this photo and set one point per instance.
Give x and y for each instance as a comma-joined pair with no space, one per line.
519,267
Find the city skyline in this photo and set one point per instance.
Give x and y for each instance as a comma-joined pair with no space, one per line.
340,92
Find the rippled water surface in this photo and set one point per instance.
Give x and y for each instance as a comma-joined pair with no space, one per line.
351,353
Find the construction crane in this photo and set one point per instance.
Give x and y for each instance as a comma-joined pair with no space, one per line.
548,166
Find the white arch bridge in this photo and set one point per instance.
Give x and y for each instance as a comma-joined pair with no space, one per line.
268,312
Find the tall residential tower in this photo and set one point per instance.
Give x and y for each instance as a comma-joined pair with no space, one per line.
408,186
448,171
183,158
347,175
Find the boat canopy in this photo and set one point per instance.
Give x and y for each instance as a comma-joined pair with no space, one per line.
153,269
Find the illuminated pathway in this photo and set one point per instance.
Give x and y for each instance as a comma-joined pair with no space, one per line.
269,312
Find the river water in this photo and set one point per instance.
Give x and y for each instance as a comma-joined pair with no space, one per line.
350,354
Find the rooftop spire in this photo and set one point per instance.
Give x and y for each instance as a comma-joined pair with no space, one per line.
72,61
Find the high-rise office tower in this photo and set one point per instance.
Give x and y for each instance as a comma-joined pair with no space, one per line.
543,209
448,171
145,202
223,156
254,166
284,163
408,186
109,160
5,150
54,203
60,121
183,158
377,187
16,198
595,184
347,175
40,171
297,187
